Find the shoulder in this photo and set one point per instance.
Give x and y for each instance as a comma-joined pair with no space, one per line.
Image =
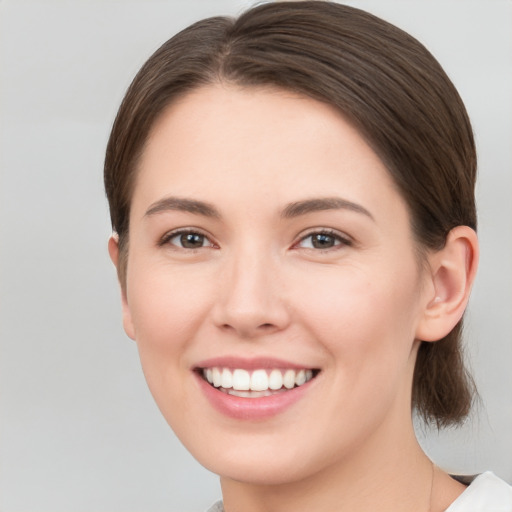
486,493
216,507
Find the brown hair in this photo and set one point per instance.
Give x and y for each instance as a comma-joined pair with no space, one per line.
383,80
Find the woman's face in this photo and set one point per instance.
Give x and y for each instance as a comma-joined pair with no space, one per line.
268,246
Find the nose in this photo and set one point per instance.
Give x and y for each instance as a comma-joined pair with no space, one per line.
250,299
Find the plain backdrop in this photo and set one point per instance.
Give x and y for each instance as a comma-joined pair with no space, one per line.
78,428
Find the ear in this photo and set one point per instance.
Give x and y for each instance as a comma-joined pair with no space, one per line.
451,275
113,250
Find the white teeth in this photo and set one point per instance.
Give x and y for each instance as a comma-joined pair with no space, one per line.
216,377
260,382
226,380
249,394
241,380
275,380
289,379
300,378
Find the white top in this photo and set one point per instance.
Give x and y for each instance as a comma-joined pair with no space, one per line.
486,493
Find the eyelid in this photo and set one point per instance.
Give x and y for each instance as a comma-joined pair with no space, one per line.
169,235
343,239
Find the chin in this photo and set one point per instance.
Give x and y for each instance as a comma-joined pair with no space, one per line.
260,459
260,472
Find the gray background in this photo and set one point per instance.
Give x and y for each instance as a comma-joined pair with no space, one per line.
79,430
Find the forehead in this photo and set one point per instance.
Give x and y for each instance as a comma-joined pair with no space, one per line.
223,139
257,117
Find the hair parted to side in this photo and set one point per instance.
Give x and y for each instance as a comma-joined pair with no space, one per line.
383,81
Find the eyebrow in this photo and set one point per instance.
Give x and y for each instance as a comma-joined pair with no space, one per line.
294,209
182,204
319,204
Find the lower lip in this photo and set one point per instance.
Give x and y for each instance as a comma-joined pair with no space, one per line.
242,408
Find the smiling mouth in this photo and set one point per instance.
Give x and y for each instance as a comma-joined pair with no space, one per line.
256,383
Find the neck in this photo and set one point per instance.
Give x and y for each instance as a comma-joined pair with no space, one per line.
379,476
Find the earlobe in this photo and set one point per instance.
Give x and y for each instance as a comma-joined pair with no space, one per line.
452,272
113,250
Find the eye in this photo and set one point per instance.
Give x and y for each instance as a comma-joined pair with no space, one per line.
187,239
323,240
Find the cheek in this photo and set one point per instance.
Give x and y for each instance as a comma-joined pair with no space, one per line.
167,310
365,320
366,326
165,305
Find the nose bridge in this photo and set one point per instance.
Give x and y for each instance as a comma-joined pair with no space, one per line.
249,299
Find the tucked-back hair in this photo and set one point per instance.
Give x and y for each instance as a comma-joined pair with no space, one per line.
380,78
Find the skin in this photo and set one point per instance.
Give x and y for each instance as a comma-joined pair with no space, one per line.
258,287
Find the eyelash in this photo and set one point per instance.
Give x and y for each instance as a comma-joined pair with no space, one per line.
339,240
166,239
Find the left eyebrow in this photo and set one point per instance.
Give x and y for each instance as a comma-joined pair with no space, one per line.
298,208
184,205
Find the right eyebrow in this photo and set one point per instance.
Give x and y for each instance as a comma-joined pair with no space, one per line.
184,205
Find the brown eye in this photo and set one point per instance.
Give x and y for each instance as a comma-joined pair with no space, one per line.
189,240
323,240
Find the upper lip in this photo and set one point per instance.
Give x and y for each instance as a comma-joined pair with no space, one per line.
254,363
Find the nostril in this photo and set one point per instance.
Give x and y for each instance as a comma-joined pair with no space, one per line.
265,326
247,331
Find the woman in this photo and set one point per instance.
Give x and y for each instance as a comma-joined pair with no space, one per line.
292,198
